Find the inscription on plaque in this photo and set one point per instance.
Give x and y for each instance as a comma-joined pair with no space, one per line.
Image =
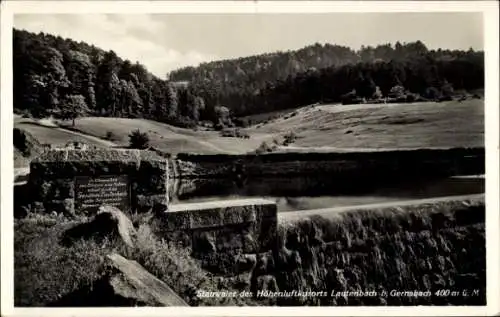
92,192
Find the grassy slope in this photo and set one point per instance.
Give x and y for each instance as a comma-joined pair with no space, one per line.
167,137
447,124
49,135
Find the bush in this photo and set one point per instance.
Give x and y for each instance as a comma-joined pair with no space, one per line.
265,148
228,133
185,122
234,133
289,138
110,136
219,127
138,140
243,123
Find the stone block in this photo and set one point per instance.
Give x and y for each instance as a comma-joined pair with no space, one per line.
174,221
228,239
208,218
269,210
266,283
204,242
145,203
238,214
267,233
131,280
53,175
235,225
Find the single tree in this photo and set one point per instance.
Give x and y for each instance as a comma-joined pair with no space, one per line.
72,107
138,140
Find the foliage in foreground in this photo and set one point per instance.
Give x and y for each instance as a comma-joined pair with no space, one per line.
426,248
46,270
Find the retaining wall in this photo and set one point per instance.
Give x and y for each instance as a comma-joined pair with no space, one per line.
398,163
224,235
53,177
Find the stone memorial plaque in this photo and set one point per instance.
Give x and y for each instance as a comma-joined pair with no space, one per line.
92,192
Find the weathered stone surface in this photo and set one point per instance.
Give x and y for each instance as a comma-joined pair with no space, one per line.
266,230
224,236
131,280
267,282
215,213
53,173
109,220
124,226
146,203
233,225
288,259
265,263
245,262
204,242
126,284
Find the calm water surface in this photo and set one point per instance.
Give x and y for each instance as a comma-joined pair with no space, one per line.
292,194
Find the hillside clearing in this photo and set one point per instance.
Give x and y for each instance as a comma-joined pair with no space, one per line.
58,136
167,137
418,125
319,127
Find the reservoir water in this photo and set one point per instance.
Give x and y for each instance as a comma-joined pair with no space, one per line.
291,194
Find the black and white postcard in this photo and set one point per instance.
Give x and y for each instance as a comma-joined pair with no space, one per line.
249,158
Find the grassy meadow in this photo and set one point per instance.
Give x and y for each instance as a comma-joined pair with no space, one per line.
319,127
418,125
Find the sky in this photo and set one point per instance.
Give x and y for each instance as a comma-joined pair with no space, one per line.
164,42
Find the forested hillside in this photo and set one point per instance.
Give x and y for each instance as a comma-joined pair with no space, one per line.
328,73
68,79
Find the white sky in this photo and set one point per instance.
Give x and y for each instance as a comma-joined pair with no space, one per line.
163,42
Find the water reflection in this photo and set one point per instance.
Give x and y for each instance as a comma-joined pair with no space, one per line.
311,193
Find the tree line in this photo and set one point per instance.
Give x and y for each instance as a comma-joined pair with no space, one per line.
64,78
328,73
67,79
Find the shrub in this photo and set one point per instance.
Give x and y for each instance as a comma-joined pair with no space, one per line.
229,133
219,126
289,138
234,133
264,148
110,136
138,140
185,122
243,123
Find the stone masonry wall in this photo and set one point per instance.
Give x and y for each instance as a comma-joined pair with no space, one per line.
51,184
224,235
393,163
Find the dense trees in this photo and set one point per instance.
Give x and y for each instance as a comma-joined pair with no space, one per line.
327,73
56,76
60,77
